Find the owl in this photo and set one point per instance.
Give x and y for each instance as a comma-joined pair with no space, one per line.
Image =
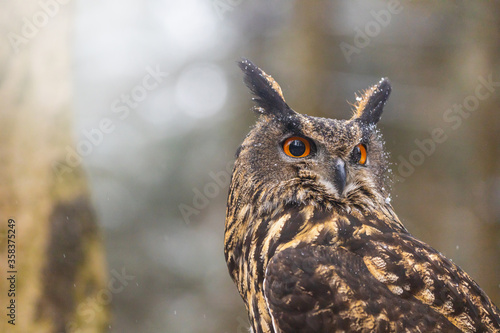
311,239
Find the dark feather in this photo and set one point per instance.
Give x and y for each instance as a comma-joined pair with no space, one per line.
268,95
319,288
369,110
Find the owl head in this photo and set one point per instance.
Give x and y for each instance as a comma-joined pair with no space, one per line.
293,158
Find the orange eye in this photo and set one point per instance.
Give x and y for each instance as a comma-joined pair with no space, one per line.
297,147
359,154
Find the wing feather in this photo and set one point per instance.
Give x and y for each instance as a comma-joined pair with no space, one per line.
401,261
317,288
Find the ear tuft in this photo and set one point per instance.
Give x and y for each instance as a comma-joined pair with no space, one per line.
369,107
268,94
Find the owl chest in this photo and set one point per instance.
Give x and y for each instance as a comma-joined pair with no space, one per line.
297,228
304,227
277,234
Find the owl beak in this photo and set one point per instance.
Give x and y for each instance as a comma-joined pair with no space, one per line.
339,176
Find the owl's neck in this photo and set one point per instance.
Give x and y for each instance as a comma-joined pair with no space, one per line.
254,235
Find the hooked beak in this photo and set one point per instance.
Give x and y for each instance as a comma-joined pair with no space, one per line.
339,176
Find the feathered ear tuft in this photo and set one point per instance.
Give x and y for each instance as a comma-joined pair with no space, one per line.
369,107
268,94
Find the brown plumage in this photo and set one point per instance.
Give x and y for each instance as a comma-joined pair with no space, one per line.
312,242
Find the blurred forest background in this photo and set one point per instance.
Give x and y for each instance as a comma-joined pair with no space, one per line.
142,105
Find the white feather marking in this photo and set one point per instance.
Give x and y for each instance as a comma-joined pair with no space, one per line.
330,188
267,302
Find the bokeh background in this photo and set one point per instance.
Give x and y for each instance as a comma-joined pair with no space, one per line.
159,179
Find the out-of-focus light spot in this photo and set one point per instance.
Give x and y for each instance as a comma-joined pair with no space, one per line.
159,108
190,25
201,90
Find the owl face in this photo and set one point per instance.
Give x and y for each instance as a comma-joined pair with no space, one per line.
303,158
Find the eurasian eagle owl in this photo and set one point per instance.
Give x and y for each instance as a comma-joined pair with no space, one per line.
313,244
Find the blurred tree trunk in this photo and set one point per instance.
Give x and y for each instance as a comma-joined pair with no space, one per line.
61,280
